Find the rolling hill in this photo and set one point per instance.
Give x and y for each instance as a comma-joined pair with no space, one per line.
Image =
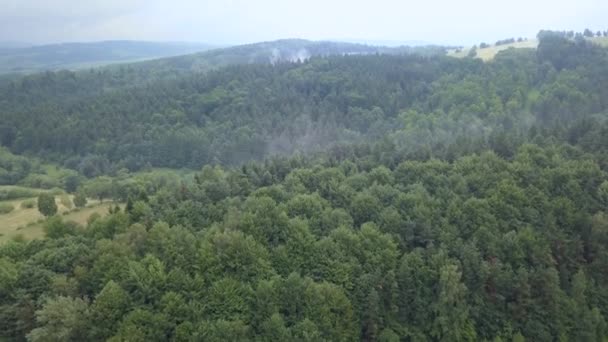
272,52
84,55
162,114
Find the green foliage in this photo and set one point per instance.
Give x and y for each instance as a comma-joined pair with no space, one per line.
142,325
100,188
47,205
80,200
28,204
61,319
55,228
6,208
66,201
107,310
603,193
12,193
8,277
473,52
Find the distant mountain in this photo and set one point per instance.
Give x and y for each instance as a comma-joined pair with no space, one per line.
386,42
122,72
14,59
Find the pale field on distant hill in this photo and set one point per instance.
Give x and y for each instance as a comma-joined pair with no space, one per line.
489,53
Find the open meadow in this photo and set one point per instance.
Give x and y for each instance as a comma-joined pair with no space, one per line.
488,53
28,222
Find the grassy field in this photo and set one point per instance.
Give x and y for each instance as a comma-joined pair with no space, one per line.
489,53
28,222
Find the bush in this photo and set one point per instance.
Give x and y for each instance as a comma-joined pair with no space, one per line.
28,204
94,217
6,208
57,191
55,228
66,201
80,200
46,205
16,193
40,181
473,52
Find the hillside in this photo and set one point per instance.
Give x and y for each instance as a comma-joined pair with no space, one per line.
85,55
273,52
251,111
125,73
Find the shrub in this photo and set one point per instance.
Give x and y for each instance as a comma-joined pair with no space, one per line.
94,217
16,193
55,228
28,204
40,181
57,191
473,52
6,208
46,205
80,200
66,201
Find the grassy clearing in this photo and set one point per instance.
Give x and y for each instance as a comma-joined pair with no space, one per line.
489,53
28,222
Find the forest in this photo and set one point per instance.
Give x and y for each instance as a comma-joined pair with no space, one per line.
386,196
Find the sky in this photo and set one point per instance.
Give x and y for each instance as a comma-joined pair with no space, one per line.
455,22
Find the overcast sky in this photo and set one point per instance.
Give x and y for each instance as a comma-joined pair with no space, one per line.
242,21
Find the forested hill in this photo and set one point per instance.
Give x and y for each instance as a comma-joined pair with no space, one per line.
273,52
122,73
85,55
91,120
286,50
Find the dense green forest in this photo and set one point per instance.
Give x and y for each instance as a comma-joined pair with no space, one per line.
95,122
382,197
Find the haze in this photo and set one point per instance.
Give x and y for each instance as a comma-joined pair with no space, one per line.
241,21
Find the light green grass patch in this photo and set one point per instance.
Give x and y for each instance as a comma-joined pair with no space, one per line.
28,222
489,53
